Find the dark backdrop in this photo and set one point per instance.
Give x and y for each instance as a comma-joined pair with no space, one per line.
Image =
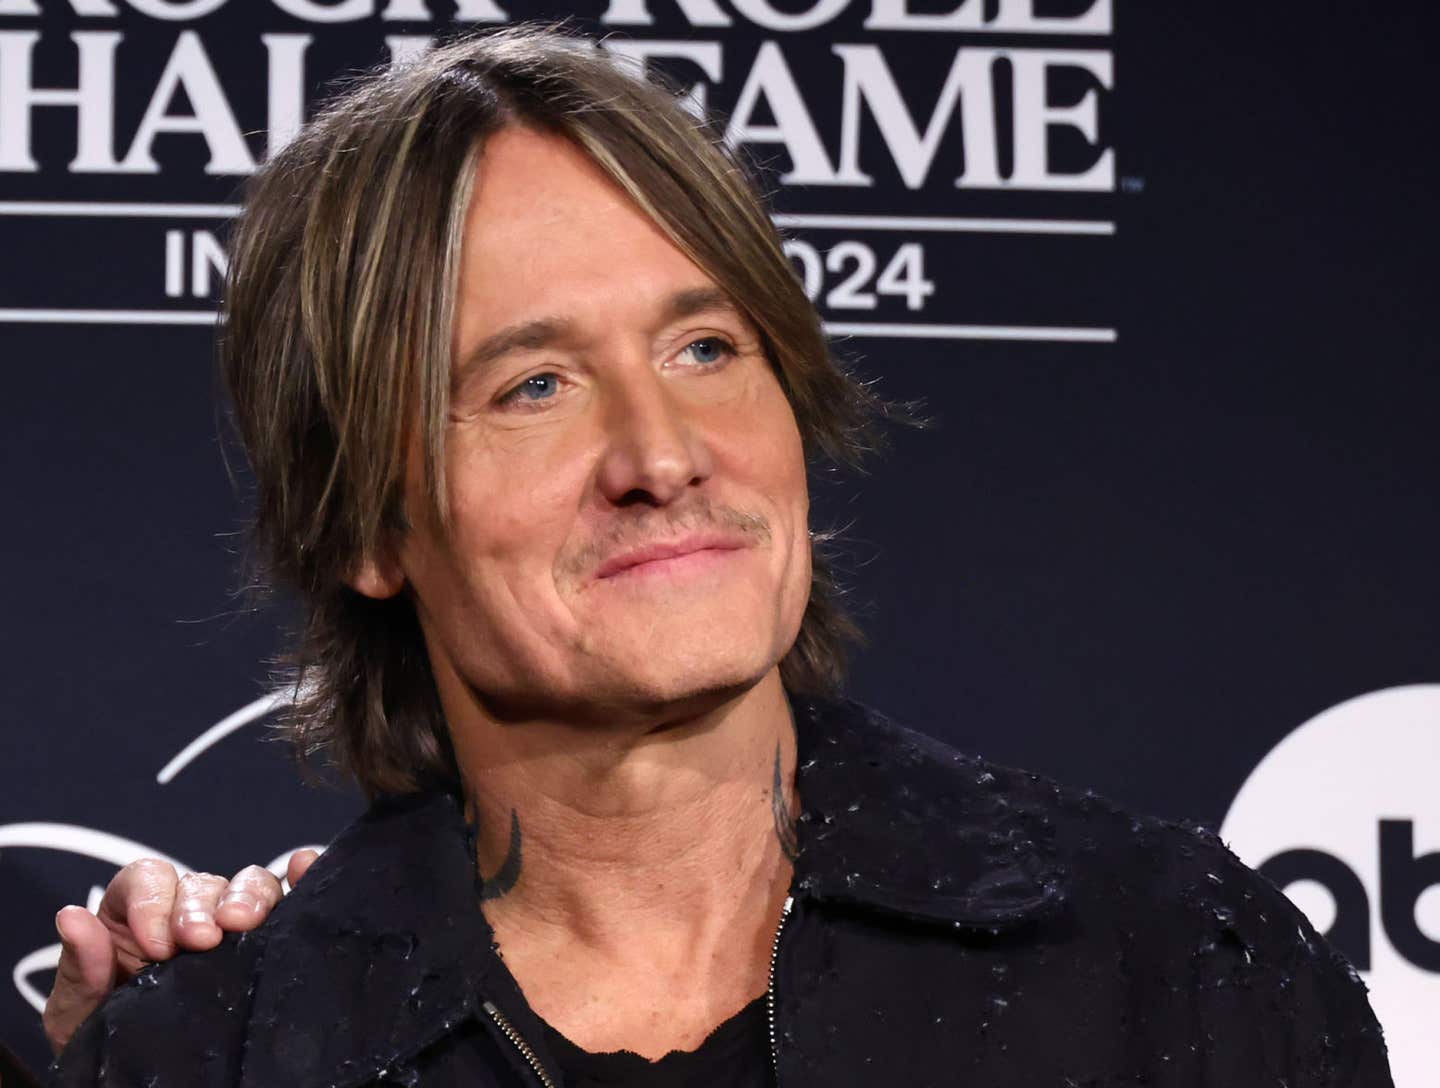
1143,544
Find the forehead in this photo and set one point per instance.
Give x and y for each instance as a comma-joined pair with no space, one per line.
547,232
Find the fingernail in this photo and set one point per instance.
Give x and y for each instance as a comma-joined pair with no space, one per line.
241,899
159,931
192,913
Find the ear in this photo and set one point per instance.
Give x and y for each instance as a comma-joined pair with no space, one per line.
379,577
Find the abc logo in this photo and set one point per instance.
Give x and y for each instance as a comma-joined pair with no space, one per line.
1344,815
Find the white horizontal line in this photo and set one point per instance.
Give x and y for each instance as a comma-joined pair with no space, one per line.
922,331
948,225
915,331
121,210
109,317
118,210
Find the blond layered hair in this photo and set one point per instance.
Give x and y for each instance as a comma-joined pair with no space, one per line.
336,350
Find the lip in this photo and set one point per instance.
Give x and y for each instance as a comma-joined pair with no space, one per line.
669,549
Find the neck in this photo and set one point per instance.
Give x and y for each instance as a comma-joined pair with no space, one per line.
658,840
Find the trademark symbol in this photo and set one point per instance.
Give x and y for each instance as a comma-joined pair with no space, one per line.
1132,185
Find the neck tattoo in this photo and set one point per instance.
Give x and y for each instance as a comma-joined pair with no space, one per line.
493,887
784,821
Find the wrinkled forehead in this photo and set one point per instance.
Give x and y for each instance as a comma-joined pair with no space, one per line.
551,244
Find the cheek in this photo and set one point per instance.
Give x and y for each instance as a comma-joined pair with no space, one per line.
765,439
763,451
512,507
788,488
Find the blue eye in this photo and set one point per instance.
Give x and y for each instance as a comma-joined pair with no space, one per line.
537,387
709,349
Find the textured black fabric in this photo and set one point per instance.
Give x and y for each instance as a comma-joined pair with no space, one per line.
954,922
12,1073
735,1055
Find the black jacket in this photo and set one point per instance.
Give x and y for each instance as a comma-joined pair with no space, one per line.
953,923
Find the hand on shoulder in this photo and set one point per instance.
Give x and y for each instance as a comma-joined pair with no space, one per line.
149,913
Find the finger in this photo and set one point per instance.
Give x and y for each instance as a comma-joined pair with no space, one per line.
85,975
252,895
136,909
300,863
192,920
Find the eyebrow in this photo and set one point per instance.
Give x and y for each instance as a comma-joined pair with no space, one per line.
529,335
696,300
545,331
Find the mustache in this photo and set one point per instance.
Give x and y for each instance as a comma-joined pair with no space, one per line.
649,525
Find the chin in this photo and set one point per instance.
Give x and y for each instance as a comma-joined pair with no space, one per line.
705,670
701,647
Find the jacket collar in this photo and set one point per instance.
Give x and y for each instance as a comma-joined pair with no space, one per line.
391,908
891,822
897,822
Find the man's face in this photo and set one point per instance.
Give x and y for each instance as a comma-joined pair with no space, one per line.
625,476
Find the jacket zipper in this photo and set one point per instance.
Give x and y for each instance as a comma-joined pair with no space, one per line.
770,986
503,1023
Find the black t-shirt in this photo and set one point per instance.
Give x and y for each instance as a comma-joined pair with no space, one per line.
735,1055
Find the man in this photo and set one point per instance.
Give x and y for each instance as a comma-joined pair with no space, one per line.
530,391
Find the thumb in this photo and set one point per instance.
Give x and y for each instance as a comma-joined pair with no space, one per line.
85,976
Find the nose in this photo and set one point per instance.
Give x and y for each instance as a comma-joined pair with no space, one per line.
654,452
